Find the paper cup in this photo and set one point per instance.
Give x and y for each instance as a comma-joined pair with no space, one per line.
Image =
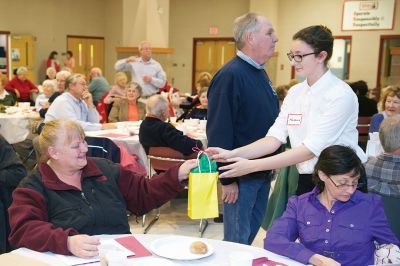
241,258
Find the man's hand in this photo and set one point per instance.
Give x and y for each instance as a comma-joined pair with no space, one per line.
131,59
88,98
147,79
230,193
83,246
46,105
17,93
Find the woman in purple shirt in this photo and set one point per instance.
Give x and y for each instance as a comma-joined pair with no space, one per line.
335,223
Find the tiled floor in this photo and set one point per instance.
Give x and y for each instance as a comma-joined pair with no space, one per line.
174,220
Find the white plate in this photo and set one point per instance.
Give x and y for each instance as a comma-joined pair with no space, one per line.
178,248
151,262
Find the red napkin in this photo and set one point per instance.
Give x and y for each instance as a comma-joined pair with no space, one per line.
265,261
131,243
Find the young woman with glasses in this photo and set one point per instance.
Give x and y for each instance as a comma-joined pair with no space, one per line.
317,113
335,223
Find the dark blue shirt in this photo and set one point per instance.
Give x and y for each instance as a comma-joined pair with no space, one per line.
242,106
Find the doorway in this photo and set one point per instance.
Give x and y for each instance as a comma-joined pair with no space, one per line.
210,54
389,62
23,54
88,53
4,69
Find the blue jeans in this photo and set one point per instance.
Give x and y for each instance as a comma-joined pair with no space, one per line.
242,220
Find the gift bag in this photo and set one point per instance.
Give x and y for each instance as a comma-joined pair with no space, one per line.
202,195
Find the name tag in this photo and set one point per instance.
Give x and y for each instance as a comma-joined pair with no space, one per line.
294,119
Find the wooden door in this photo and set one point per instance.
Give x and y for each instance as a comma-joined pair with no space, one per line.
23,54
210,54
88,53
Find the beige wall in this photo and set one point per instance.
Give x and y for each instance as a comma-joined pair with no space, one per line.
51,20
365,44
190,19
116,20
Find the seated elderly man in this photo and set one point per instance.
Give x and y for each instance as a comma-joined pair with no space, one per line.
335,223
11,173
155,132
383,172
61,77
98,85
76,104
70,197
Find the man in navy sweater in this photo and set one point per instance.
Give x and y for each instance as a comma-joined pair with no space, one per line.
242,106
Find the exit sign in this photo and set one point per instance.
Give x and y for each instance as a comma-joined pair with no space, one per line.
213,30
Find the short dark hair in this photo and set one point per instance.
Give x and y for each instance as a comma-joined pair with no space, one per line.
70,53
359,86
52,54
318,37
337,160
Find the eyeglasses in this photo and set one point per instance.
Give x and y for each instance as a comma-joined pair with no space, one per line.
344,186
298,57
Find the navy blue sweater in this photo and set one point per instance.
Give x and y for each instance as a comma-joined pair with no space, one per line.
242,106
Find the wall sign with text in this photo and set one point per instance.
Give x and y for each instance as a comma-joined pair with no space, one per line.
368,14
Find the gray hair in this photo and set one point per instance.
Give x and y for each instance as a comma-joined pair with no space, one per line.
22,70
97,70
389,133
137,87
49,70
49,83
140,46
72,79
156,105
245,24
63,73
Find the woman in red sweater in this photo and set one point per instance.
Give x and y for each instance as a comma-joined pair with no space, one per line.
21,86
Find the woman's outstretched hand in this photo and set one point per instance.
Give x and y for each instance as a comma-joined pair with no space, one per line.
239,167
219,154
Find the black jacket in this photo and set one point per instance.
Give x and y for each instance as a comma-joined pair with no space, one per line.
156,133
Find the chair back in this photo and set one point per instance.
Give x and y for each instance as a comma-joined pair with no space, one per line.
163,158
363,130
103,148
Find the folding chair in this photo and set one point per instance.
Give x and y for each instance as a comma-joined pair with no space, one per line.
160,159
103,148
363,130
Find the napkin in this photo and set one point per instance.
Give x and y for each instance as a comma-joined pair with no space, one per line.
264,261
131,243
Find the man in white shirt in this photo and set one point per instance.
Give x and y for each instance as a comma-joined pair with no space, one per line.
76,104
145,71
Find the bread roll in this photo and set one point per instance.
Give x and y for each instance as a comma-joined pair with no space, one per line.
198,247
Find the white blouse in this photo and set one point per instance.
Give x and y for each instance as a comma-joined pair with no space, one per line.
319,116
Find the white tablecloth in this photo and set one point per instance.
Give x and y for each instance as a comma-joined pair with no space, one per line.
16,127
222,250
123,138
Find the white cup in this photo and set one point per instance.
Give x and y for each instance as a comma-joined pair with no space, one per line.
241,258
116,258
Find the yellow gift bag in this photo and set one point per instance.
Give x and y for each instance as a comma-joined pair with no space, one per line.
202,196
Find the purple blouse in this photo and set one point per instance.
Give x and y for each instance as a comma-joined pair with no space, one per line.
346,233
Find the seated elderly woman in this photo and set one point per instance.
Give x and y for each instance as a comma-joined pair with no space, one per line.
128,109
21,85
390,105
70,197
118,90
335,223
42,101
